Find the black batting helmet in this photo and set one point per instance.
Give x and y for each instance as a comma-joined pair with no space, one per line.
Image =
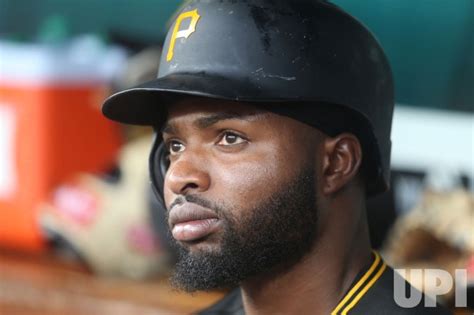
305,59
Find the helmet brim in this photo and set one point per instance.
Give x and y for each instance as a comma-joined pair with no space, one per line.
146,104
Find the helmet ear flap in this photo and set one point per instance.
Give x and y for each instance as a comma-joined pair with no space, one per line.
158,166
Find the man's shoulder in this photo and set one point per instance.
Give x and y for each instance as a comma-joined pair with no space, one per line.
372,292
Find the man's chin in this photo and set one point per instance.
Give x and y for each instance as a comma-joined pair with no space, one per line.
201,269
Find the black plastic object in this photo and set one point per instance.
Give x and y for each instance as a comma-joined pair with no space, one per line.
158,164
272,52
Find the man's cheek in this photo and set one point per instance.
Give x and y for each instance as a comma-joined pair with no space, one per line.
247,181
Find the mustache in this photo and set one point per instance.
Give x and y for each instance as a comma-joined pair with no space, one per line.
196,200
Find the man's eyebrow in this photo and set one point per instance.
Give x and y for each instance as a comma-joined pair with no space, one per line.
167,128
208,121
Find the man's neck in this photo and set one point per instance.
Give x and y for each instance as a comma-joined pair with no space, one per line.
316,283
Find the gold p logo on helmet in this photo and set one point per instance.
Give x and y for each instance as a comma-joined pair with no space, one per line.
177,33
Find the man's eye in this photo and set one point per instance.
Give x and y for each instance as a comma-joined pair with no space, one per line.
175,147
230,138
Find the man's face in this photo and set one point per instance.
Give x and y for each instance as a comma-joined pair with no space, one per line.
240,191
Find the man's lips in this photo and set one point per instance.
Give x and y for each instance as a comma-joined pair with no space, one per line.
190,222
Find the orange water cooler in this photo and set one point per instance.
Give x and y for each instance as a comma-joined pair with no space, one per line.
51,128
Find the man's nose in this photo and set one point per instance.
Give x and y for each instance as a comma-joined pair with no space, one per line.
185,177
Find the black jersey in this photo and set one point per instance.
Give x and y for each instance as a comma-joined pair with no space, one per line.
371,293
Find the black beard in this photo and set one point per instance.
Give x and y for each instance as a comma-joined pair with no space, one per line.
274,235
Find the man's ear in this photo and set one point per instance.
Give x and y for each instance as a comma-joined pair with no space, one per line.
342,157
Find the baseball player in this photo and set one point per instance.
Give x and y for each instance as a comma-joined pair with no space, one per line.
272,122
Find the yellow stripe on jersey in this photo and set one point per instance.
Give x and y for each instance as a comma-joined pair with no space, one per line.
356,287
365,289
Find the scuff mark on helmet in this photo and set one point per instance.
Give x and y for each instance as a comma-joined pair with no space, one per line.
264,22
